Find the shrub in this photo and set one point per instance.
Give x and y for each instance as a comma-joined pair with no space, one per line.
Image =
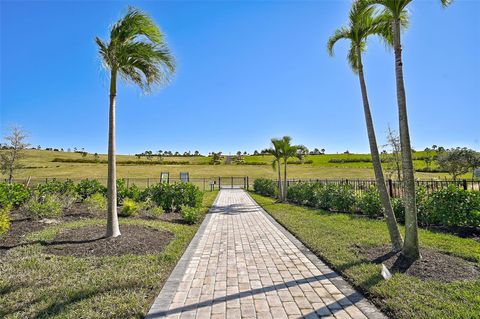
171,196
302,193
265,187
96,203
56,187
4,219
132,192
335,197
88,187
452,206
151,210
129,208
43,206
190,214
13,194
398,209
369,203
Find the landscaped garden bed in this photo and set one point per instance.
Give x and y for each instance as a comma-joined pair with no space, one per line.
56,261
444,284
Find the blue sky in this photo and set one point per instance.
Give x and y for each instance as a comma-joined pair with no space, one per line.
247,71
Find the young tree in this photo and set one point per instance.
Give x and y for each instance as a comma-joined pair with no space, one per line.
393,142
138,53
287,150
398,11
362,24
15,150
276,152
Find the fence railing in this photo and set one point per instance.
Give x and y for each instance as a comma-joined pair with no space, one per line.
204,183
395,188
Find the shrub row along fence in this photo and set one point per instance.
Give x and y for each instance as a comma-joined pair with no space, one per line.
451,205
395,188
203,183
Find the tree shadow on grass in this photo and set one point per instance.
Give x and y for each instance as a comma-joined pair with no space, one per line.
52,243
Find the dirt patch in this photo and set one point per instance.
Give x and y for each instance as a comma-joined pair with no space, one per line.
464,232
90,241
17,232
433,265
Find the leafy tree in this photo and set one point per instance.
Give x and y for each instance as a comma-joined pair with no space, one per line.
362,24
458,161
137,52
397,9
14,151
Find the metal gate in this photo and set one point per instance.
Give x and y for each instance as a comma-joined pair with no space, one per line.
233,182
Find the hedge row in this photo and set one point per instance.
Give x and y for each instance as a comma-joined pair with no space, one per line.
169,196
450,206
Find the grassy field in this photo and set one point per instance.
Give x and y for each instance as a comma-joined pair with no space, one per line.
40,164
34,284
334,237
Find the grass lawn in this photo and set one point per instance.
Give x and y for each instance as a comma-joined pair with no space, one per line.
34,284
39,164
333,237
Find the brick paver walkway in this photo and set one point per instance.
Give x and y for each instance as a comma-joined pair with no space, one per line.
242,264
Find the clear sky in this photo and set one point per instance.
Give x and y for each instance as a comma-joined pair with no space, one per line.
247,71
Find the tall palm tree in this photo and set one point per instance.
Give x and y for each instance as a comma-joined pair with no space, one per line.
287,151
362,24
397,10
138,53
277,157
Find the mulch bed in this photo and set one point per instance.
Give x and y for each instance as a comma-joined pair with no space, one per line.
433,265
90,241
464,232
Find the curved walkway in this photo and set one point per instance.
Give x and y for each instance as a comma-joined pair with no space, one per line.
243,264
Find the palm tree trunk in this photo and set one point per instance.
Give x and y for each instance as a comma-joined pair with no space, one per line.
410,248
285,186
395,237
280,187
112,218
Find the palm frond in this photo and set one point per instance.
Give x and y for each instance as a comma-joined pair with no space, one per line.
137,51
339,34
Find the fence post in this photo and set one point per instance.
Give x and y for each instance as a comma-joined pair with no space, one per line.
219,182
204,183
464,184
231,183
248,184
128,182
390,187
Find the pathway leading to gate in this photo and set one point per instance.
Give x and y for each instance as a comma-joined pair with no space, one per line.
243,264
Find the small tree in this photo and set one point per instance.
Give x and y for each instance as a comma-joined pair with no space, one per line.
393,143
10,156
455,161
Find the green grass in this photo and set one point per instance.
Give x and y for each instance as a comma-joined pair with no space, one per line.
332,236
38,285
39,164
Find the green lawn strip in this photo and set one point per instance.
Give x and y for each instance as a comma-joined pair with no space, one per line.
35,284
333,236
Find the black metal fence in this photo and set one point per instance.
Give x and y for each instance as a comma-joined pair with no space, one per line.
395,188
204,183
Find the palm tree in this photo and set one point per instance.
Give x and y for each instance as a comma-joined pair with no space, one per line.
397,9
138,53
277,156
362,24
287,150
